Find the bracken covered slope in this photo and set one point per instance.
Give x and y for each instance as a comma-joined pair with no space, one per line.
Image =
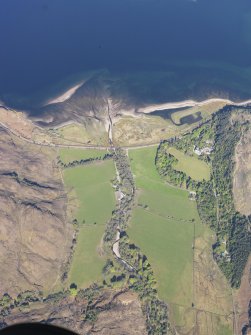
242,175
35,238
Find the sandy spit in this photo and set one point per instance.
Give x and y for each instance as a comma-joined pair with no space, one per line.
65,96
188,103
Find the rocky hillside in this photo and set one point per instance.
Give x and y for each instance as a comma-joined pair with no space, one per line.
35,238
242,173
103,313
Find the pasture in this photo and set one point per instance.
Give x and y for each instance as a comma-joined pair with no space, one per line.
92,196
191,165
166,226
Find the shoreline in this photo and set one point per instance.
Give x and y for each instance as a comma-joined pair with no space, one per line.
189,103
135,112
158,107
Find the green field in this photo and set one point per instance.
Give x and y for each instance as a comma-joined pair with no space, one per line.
165,230
192,166
95,199
68,155
168,246
166,226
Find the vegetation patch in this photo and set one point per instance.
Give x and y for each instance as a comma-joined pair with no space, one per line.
95,201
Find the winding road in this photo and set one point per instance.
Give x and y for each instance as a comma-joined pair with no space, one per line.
76,146
174,105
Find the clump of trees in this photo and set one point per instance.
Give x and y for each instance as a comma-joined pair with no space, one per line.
232,226
23,299
201,137
206,203
165,164
90,296
125,184
84,161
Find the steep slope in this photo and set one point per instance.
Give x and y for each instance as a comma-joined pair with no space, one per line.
242,173
107,313
35,238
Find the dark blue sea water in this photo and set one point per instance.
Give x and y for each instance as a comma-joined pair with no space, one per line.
44,41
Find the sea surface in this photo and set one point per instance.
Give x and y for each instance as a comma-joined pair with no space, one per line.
195,42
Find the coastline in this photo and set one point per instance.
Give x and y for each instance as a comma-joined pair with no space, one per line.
131,111
154,107
136,112
188,103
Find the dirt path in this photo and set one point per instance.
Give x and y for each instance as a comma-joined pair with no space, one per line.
74,146
115,247
109,123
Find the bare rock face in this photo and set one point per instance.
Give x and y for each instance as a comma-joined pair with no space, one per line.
35,238
118,313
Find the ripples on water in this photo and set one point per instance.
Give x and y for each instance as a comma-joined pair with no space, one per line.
43,42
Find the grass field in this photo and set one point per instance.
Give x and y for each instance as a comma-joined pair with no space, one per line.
95,201
167,228
164,231
172,263
92,132
87,261
192,166
68,154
